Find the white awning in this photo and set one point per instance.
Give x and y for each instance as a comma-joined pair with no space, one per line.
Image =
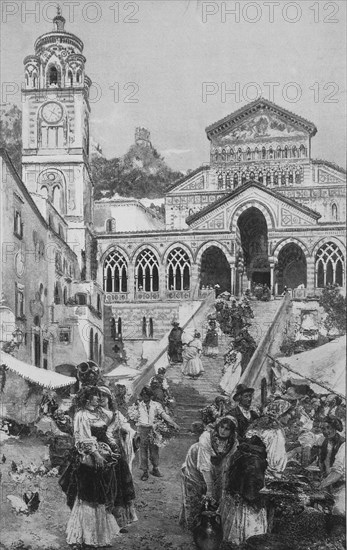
46,378
325,364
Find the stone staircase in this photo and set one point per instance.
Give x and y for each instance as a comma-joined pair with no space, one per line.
192,395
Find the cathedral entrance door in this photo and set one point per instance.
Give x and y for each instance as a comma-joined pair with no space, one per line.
253,238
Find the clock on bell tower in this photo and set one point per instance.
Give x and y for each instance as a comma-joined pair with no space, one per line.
55,130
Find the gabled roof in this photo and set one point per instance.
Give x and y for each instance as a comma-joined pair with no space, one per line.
257,105
187,177
194,217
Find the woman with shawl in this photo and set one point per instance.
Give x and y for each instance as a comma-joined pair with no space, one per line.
211,340
192,365
204,466
96,480
231,371
243,511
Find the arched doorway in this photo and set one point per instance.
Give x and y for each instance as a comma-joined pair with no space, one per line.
215,269
252,233
292,268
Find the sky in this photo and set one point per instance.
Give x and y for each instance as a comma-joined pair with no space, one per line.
177,66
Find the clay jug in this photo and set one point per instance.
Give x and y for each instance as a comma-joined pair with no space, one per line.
208,533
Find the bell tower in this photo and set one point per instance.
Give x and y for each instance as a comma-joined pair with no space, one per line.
55,132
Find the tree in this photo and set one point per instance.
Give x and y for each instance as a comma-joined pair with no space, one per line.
334,305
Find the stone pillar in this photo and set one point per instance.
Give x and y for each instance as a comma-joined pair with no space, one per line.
272,278
232,279
194,282
310,275
162,281
131,282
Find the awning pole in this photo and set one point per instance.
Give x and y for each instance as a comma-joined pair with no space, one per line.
306,377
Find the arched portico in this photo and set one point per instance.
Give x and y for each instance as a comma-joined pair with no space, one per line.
252,238
214,269
291,267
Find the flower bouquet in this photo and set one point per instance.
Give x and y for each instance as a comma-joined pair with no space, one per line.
161,434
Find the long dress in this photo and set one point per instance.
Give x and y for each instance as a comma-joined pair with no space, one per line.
201,457
211,342
232,373
94,494
175,345
240,518
192,365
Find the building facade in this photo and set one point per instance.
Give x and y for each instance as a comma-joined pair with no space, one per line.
47,239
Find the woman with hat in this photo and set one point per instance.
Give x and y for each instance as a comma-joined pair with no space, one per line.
202,473
192,365
243,412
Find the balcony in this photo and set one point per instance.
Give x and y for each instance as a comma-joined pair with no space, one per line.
116,297
177,295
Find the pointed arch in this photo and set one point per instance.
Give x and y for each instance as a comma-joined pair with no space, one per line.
265,209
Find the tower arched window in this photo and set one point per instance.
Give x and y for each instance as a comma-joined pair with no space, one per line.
147,271
252,176
78,77
260,177
329,265
224,155
279,152
232,154
302,151
53,76
216,155
294,152
248,154
243,178
236,180
334,213
297,177
275,178
290,177
220,181
256,154
239,154
178,270
283,178
70,78
227,180
263,153
271,153
115,273
285,152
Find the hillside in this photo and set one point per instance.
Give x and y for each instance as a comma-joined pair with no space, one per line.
141,172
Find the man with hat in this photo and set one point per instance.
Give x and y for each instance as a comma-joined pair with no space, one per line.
175,343
242,411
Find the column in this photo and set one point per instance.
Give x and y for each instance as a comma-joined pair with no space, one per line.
131,282
310,275
232,279
162,281
194,282
272,278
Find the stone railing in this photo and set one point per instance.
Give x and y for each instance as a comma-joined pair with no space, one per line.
259,367
177,295
143,296
203,293
116,297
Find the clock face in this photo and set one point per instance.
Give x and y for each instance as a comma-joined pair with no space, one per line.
52,112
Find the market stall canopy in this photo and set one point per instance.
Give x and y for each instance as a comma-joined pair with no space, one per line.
122,372
46,378
325,364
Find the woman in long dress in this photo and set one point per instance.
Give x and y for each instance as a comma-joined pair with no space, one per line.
192,365
232,371
211,340
243,510
202,473
96,479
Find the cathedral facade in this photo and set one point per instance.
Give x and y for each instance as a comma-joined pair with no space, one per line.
261,211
